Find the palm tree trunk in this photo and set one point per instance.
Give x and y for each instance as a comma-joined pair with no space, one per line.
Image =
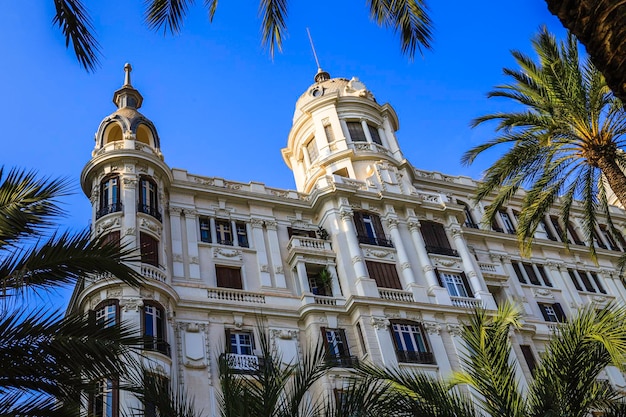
615,177
600,25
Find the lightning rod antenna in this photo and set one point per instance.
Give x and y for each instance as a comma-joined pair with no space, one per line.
317,62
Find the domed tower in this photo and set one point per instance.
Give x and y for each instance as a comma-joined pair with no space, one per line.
340,129
127,183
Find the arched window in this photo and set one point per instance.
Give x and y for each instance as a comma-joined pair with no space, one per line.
109,196
107,313
153,323
149,197
113,133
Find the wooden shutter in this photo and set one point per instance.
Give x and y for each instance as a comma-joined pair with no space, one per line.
428,233
358,223
442,237
572,231
543,312
228,277
531,273
385,275
112,238
356,132
378,227
574,279
529,357
559,230
544,275
466,284
560,314
149,249
518,272
585,279
598,283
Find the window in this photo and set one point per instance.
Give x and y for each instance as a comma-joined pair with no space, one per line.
589,280
300,232
410,343
374,134
359,332
149,249
242,234
337,352
552,312
109,196
103,401
240,351
546,230
469,219
369,229
311,148
205,230
456,284
557,226
320,282
436,239
148,198
385,275
507,222
356,132
106,313
608,236
572,232
535,274
529,357
228,277
112,238
154,329
597,240
223,232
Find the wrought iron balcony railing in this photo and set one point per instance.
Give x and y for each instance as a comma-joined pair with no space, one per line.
108,209
375,241
150,210
415,357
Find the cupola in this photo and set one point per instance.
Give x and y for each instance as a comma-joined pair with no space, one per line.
127,128
340,129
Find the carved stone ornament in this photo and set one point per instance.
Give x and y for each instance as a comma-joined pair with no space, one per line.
414,226
190,213
94,302
204,181
428,268
380,323
555,265
450,263
392,223
271,224
454,329
346,215
130,231
405,265
150,225
107,224
95,195
193,345
146,294
227,253
542,292
176,211
379,253
344,201
256,223
177,257
279,270
130,183
432,327
471,273
194,260
117,293
131,304
456,232
265,268
284,334
356,259
599,299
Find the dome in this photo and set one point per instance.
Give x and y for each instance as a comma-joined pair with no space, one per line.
337,87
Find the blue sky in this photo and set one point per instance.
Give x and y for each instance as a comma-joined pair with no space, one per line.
223,107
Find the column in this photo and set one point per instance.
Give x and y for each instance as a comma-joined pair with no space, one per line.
130,236
560,279
440,293
277,263
366,130
408,278
261,254
235,237
303,278
433,328
191,224
177,242
385,343
364,284
335,282
213,230
473,273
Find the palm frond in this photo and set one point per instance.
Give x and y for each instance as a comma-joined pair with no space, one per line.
273,27
72,18
169,15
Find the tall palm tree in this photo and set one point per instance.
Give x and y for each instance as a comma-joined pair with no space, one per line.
564,383
43,355
274,389
408,18
600,25
561,143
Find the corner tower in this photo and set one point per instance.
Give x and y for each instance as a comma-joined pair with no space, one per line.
339,129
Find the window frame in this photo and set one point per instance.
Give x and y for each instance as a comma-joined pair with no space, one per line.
156,342
146,242
148,201
112,384
110,194
554,310
436,239
230,279
460,282
356,132
336,347
104,306
423,354
369,229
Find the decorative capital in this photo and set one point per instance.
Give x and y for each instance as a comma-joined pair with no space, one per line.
414,226
432,327
454,329
405,265
256,223
271,224
175,211
356,259
130,183
380,323
392,223
346,215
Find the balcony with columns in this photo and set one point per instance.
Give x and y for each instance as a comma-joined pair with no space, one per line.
304,245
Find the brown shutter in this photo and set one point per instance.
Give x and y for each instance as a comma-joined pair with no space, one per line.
430,239
518,272
228,343
442,237
358,223
385,275
325,339
531,273
149,249
529,357
289,231
228,277
378,227
112,238
585,278
560,314
467,285
574,279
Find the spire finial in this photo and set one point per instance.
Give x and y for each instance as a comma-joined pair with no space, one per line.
321,74
127,69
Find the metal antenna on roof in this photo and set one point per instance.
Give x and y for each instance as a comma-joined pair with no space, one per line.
321,74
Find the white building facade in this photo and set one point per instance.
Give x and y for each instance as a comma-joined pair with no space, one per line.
376,258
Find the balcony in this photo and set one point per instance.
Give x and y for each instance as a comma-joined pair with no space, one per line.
377,241
466,302
396,295
342,361
304,245
438,250
155,344
405,356
241,364
108,209
150,210
152,272
239,296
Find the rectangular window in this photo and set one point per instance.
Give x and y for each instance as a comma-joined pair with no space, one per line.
557,226
529,357
240,343
356,132
547,230
154,329
574,279
311,148
224,232
457,285
518,272
586,282
330,135
507,222
107,315
242,234
572,232
436,239
104,401
530,272
300,232
359,332
410,343
374,134
552,312
469,219
205,230
369,229
609,238
240,355
148,198
228,277
596,280
544,275
337,351
385,275
597,240
149,247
